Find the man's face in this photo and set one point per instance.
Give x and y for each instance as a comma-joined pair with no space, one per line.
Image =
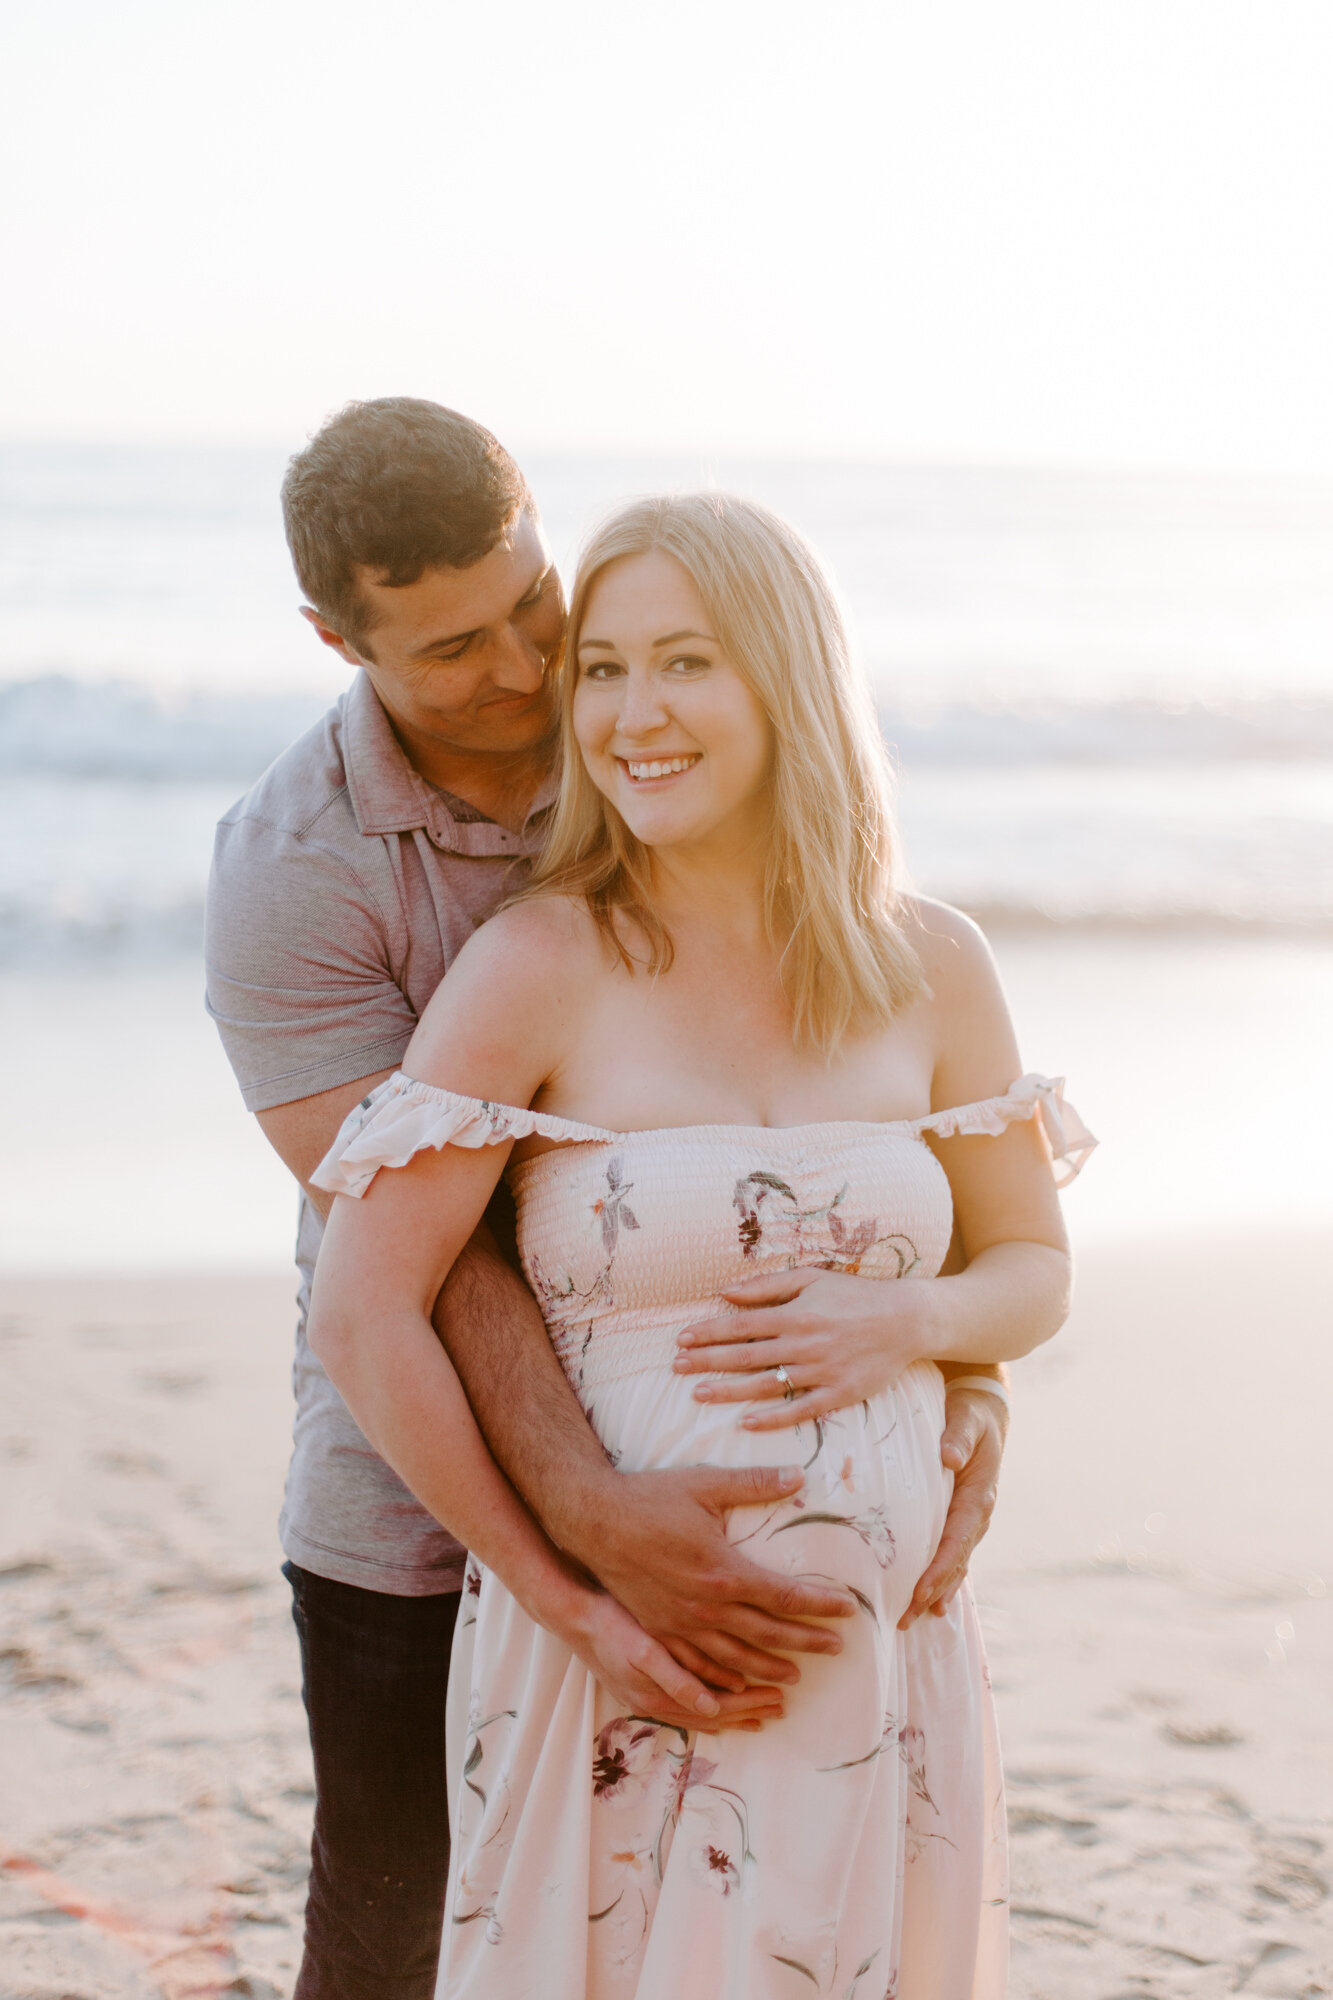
460,657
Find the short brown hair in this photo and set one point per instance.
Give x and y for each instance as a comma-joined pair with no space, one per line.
395,486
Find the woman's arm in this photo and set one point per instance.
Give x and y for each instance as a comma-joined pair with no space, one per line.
382,1261
382,1264
1013,1291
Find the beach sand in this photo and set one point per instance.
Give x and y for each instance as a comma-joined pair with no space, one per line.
1154,1591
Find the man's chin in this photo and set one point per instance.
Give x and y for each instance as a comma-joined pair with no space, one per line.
502,729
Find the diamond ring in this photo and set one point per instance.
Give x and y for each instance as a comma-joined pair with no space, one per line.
788,1387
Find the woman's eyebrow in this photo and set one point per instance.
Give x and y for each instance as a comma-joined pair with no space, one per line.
671,639
674,639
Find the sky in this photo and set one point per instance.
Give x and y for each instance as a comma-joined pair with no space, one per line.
1004,231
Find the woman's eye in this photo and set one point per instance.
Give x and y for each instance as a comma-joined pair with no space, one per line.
688,663
601,670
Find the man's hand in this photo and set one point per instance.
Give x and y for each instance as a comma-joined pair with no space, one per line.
972,1446
656,1540
644,1678
659,1545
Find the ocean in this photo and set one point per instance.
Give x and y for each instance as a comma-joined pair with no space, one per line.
1109,699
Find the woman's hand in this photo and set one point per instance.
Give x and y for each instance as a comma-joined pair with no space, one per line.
643,1678
839,1339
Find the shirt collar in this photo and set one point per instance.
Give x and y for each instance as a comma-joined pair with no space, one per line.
389,796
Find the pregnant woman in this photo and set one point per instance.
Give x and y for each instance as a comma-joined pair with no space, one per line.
723,1060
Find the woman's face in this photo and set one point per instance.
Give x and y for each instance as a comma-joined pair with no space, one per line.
668,729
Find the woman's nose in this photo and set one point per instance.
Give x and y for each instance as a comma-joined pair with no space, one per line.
642,709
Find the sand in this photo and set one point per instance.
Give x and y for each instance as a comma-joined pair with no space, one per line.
1155,1593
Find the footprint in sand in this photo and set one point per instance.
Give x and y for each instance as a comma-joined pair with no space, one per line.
1201,1735
1286,1876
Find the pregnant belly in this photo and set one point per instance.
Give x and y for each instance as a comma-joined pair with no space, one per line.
875,1492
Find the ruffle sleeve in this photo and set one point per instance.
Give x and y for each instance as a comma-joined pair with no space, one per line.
402,1117
1031,1097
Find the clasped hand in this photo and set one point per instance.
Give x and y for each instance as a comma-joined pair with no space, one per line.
662,1551
838,1339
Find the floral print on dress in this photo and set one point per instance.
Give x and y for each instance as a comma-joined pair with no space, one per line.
829,1983
819,1236
471,1591
612,1208
560,1300
715,1868
913,1748
872,1527
791,1860
624,1758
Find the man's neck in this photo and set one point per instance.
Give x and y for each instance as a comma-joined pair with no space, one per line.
501,785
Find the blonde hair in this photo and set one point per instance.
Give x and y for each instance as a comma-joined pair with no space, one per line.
831,893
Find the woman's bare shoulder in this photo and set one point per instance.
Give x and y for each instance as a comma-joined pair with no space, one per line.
551,931
501,1018
953,950
975,1052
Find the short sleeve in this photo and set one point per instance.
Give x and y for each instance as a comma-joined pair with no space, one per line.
1032,1096
401,1118
297,968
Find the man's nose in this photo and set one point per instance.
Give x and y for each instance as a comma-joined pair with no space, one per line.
522,666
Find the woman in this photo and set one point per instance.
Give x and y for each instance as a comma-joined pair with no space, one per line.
713,1043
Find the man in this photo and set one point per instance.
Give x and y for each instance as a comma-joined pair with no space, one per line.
343,886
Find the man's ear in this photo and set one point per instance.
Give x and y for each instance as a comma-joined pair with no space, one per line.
330,637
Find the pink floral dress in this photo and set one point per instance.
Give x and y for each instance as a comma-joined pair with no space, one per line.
854,1850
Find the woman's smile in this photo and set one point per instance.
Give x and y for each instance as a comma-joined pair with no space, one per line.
654,770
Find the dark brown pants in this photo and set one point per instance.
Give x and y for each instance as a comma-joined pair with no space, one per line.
374,1673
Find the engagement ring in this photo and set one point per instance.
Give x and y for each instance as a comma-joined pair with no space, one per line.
787,1387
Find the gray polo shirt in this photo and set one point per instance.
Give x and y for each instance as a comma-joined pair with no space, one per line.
343,886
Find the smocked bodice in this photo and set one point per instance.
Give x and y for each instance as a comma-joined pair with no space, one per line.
636,1238
627,1236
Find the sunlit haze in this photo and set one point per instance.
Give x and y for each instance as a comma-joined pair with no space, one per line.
1051,231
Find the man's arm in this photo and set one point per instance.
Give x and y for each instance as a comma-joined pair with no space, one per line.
301,1133
657,1541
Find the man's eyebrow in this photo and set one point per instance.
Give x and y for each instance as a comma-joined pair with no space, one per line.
671,639
437,645
457,638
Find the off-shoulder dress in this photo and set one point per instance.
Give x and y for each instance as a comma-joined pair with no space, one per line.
857,1848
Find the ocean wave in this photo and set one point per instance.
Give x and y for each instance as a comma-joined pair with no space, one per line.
985,734
122,933
1128,818
60,726
33,935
